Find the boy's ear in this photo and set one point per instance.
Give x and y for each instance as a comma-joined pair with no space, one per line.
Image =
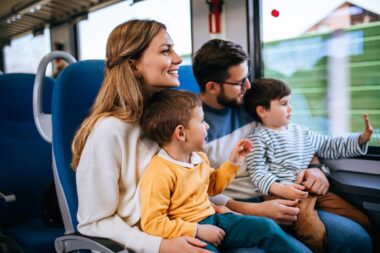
261,111
179,133
212,87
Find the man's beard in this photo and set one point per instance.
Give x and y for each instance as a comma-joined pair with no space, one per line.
228,102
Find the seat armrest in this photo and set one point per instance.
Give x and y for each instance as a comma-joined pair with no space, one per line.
7,196
68,243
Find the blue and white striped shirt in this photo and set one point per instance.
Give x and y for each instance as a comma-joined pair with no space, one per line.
278,156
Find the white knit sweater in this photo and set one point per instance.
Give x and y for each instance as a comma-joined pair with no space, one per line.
113,160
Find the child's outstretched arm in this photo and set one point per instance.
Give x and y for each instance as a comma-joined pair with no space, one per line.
333,147
240,151
368,130
221,177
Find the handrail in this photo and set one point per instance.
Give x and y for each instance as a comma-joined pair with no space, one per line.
42,120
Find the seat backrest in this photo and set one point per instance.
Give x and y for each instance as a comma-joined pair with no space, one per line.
73,96
187,79
25,158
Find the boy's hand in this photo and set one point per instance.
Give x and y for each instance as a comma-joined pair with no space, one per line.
240,151
289,191
368,130
211,234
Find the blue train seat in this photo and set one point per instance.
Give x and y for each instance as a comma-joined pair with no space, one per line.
25,165
187,79
74,93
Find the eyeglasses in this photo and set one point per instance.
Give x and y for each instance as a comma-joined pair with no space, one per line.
242,83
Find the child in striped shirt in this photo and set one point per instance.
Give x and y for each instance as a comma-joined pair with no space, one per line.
282,149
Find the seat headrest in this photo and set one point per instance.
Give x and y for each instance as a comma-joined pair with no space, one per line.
187,79
16,94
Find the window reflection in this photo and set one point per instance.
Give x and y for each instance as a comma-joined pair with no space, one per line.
24,54
93,33
330,58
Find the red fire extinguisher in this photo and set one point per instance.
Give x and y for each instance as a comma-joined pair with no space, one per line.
214,19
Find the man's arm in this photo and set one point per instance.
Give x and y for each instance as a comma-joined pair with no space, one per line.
281,210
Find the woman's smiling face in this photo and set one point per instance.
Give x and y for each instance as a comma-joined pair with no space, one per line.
159,63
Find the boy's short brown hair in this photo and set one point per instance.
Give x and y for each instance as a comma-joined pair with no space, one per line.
262,92
166,110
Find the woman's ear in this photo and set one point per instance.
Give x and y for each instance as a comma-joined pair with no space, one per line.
212,88
179,133
134,66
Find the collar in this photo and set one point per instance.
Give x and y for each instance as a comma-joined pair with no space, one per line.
195,159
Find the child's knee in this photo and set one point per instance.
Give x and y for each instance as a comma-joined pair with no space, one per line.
365,222
270,225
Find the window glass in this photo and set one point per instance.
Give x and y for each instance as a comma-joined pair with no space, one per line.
25,53
175,14
328,51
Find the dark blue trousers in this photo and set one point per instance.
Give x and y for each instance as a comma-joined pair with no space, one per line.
248,231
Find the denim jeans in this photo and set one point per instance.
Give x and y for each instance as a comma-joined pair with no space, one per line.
343,236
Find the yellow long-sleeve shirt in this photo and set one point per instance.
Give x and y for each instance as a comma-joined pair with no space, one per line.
174,198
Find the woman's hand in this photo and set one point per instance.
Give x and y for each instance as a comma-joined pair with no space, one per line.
240,151
183,244
283,211
211,234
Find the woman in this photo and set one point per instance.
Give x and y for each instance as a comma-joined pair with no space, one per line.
109,151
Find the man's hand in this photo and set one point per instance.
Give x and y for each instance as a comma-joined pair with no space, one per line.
281,210
184,244
289,191
314,180
211,234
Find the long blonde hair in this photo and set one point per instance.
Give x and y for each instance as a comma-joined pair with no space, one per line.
120,94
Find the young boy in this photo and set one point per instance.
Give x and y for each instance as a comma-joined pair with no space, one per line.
175,186
282,149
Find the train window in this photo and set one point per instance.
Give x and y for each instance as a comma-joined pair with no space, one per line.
93,33
24,53
328,51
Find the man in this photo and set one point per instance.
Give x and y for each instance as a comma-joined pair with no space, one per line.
221,70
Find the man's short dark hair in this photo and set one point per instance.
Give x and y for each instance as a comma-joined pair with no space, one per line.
212,61
166,110
262,92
